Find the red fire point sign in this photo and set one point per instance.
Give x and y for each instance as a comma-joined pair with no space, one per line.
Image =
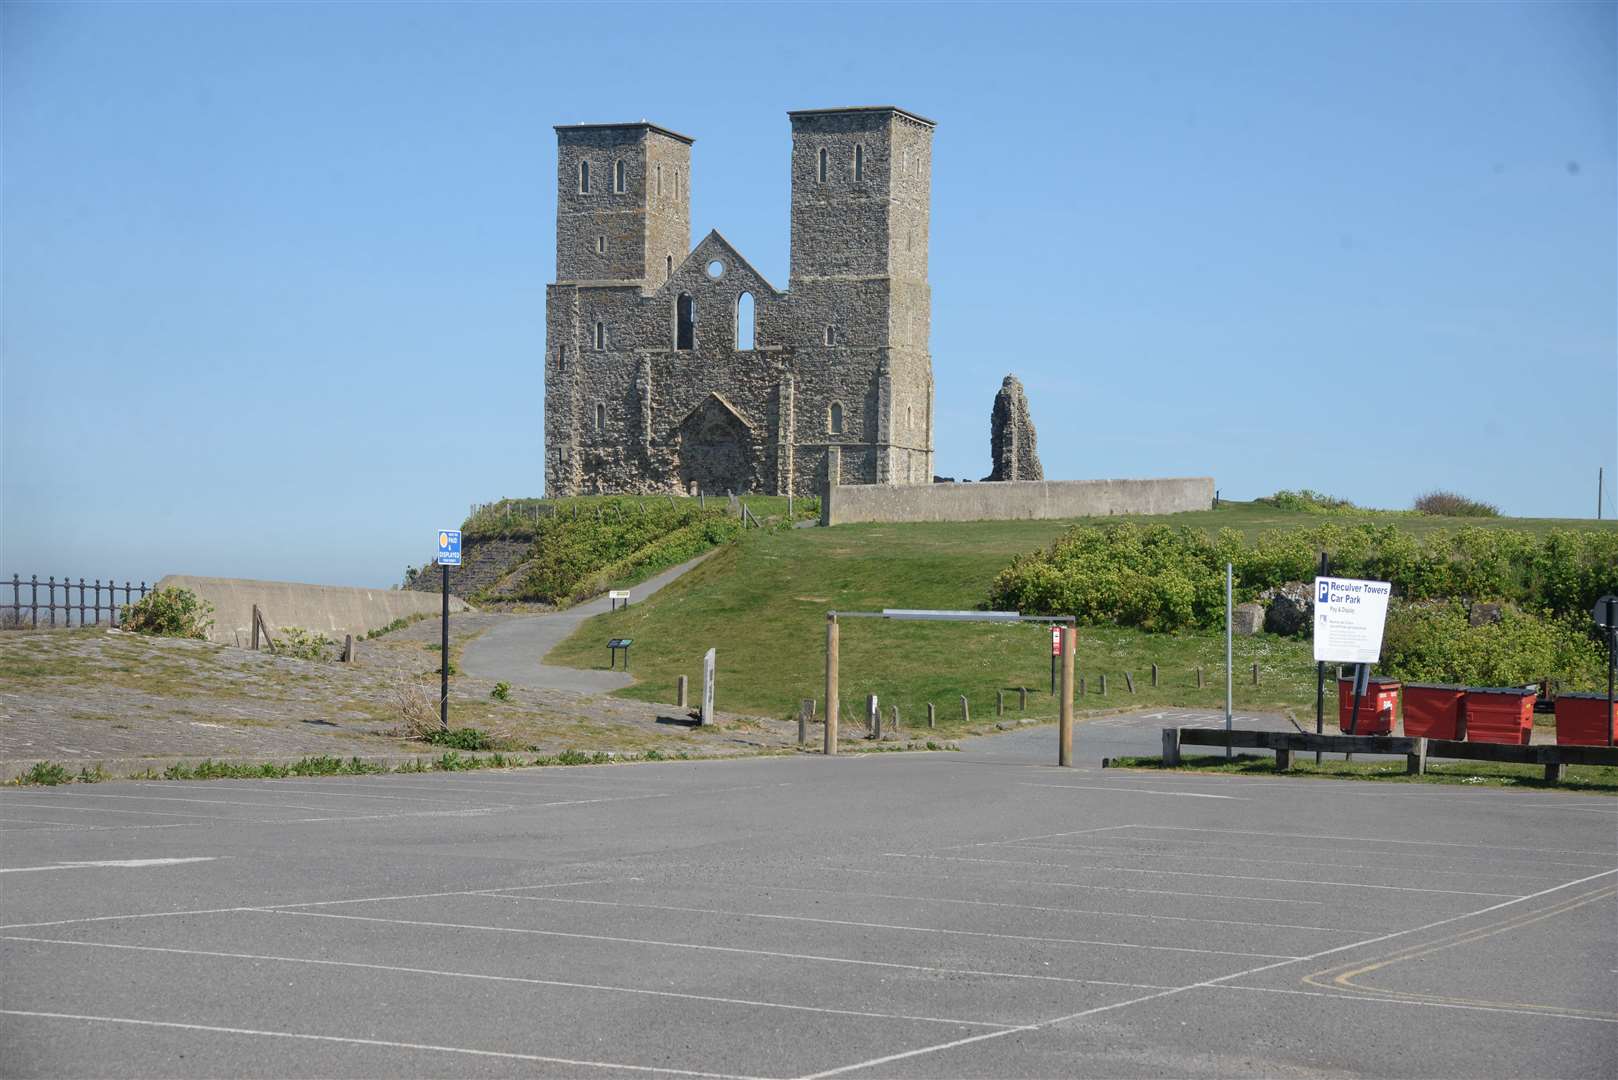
1056,641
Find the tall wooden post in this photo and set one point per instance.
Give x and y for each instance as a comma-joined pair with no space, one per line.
831,682
1065,725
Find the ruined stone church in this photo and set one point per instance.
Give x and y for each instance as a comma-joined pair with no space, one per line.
677,369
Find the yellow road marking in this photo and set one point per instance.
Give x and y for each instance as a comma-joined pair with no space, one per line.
1343,976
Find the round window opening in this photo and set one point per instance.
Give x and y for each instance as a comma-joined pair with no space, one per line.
716,269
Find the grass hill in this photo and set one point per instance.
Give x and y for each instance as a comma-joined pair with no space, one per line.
762,603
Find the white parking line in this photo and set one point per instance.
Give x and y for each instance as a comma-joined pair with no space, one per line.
884,926
1416,1001
1421,870
1197,873
108,863
1127,844
773,886
384,1043
1282,836
701,948
1130,790
477,976
1078,885
1217,981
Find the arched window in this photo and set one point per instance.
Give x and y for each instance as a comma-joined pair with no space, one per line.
744,321
824,156
859,162
834,418
584,178
601,336
620,177
831,335
601,418
685,322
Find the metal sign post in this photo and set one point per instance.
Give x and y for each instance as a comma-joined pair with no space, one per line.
449,554
1606,616
1230,672
1056,653
1320,676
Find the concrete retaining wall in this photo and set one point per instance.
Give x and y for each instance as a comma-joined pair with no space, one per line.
845,504
333,610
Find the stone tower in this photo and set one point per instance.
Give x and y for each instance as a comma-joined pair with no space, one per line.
1013,446
861,198
680,369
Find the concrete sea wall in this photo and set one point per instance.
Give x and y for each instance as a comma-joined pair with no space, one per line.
845,504
331,609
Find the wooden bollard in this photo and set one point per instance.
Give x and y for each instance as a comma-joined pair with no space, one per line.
348,648
966,711
1255,672
1081,686
999,703
1022,699
806,713
680,695
893,719
932,715
1103,679
1129,681
1154,676
1199,678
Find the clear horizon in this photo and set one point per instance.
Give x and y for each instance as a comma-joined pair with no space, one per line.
273,275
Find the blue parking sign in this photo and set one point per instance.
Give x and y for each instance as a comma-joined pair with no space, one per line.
449,547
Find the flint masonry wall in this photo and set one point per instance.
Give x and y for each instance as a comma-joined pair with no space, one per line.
847,504
332,610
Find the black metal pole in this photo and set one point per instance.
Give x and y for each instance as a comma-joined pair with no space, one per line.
1612,653
1320,677
443,658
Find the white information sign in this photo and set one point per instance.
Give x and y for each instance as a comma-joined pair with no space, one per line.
1348,619
618,594
707,687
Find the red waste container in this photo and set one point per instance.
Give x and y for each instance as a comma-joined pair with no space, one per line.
1578,720
1378,706
1500,714
1433,711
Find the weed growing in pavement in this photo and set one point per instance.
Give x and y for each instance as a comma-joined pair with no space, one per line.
93,775
459,738
501,691
45,772
396,624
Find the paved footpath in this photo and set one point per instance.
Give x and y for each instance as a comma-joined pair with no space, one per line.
513,650
981,913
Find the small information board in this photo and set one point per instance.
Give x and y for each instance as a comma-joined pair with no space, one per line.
615,595
449,547
1349,615
1606,613
612,651
1056,641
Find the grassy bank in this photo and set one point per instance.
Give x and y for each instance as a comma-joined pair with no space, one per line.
762,603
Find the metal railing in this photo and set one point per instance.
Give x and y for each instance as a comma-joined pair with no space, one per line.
26,611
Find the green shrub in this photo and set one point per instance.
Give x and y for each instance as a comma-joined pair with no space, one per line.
1449,504
1165,579
1434,642
301,644
169,613
501,691
1306,500
573,558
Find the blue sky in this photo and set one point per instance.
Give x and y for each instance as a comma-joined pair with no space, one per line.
274,274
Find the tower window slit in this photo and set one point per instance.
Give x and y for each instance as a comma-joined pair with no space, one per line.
824,158
831,335
584,178
601,418
620,177
859,162
685,319
601,335
834,419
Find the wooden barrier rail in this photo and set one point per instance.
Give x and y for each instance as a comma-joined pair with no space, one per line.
1415,751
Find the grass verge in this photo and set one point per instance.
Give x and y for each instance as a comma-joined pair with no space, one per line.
51,773
1600,779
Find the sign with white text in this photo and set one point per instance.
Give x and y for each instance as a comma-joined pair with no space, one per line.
449,547
1056,641
1349,614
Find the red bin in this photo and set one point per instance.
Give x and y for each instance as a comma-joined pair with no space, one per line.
1378,706
1433,711
1500,714
1578,720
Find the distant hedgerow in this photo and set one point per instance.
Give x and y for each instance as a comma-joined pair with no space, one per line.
1449,504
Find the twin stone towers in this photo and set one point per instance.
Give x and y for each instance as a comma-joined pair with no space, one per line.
677,369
